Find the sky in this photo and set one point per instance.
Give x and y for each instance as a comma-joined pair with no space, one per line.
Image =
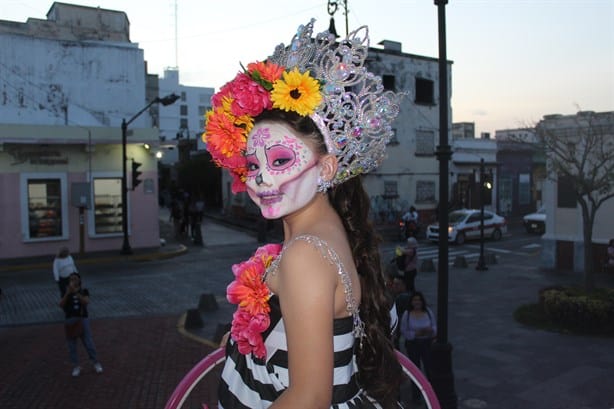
514,61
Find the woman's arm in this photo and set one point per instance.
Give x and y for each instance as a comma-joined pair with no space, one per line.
306,289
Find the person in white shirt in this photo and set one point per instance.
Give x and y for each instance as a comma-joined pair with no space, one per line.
419,328
63,267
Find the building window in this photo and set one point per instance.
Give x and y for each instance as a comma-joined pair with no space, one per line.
45,215
524,189
107,205
424,91
183,96
391,189
183,110
566,195
425,142
388,82
425,191
183,123
201,110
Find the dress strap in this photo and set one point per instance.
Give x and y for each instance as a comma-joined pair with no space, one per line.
329,254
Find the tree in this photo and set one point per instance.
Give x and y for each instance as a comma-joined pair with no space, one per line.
580,152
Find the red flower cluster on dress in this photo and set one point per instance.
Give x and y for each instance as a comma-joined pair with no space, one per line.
251,294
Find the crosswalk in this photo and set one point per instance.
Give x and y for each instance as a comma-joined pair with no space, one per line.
471,252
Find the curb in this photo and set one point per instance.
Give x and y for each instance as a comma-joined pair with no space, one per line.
189,335
160,255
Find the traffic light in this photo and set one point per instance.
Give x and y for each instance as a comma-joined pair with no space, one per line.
135,174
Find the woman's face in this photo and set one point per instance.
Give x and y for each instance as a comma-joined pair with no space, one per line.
282,171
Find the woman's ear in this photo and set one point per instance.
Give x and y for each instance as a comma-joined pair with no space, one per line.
328,167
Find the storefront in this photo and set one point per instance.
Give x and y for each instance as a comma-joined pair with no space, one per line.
61,186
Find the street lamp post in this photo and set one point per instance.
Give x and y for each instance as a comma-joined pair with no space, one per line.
167,100
442,377
481,261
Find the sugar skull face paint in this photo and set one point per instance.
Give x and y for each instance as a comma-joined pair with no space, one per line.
282,171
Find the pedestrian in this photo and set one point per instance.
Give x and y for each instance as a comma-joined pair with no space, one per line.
76,325
419,328
63,267
314,330
410,269
401,301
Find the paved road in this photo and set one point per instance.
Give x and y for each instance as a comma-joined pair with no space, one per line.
136,307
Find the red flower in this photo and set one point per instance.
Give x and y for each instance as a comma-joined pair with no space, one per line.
249,97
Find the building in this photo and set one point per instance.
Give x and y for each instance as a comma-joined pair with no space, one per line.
522,171
466,177
463,130
587,138
67,83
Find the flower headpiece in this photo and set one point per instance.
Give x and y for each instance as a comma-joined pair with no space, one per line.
312,77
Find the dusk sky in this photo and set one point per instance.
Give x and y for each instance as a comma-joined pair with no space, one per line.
513,60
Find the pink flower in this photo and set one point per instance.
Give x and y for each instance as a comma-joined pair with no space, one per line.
247,332
250,98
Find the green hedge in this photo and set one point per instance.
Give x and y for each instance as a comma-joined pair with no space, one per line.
578,311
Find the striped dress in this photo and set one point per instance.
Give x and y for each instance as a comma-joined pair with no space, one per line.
249,382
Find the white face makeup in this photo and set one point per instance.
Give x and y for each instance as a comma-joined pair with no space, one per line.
282,171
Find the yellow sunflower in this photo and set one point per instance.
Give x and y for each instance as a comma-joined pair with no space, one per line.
296,92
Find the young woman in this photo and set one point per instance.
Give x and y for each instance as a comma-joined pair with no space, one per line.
77,324
419,328
312,328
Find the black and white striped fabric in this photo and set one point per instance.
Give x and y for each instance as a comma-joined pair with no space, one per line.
249,382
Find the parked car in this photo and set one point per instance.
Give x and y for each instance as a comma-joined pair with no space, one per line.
536,222
464,224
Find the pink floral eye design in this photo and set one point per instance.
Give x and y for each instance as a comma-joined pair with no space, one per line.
280,158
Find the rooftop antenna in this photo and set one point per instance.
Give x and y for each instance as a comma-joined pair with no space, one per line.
176,40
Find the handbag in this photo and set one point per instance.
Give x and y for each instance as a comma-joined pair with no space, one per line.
74,327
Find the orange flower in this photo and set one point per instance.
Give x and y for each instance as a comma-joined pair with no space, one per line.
268,71
223,138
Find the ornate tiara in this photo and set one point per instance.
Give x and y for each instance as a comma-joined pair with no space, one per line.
316,77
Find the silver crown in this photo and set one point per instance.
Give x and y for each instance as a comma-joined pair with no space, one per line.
356,112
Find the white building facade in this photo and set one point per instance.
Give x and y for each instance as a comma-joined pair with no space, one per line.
67,82
563,243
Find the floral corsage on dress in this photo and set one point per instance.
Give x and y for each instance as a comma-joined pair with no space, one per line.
251,295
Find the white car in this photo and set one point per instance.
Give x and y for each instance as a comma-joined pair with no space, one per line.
535,222
464,224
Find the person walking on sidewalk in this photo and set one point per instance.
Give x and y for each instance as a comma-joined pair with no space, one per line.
410,269
77,325
63,267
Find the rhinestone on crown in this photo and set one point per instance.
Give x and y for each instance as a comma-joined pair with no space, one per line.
356,113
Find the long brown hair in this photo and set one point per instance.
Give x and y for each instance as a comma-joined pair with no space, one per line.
378,369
